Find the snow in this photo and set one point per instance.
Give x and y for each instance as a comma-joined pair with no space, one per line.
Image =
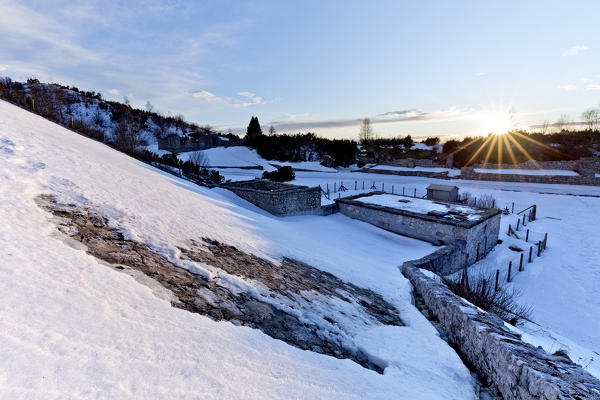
562,285
241,156
451,171
72,327
234,156
516,171
419,206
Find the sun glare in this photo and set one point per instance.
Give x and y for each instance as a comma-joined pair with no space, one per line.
496,122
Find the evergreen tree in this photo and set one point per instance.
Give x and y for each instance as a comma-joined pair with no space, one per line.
253,132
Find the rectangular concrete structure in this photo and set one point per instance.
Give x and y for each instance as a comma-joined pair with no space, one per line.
468,232
280,199
442,192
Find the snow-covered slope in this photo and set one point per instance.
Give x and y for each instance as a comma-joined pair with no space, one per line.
71,327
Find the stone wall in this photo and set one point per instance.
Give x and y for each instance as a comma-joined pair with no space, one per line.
586,166
279,198
567,165
469,173
426,174
519,370
469,240
412,162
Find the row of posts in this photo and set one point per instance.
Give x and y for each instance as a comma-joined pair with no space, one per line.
541,246
342,188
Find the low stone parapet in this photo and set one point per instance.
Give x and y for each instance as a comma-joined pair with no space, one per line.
518,369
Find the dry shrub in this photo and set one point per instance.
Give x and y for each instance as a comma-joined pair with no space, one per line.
481,292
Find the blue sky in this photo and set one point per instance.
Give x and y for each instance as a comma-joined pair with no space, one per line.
420,68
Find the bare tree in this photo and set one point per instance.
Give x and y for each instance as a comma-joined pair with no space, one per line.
149,106
199,158
545,127
562,123
366,131
271,130
591,118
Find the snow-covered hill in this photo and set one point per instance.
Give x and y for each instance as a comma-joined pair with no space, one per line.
72,327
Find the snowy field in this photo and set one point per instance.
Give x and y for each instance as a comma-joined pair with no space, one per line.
71,327
239,156
515,171
563,286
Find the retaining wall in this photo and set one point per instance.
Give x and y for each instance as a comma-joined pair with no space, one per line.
279,198
426,174
589,180
519,370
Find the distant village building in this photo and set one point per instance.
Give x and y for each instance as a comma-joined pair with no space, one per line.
442,192
181,144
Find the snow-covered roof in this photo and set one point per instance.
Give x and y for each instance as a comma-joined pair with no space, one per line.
428,209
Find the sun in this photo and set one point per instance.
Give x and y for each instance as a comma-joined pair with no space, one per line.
496,122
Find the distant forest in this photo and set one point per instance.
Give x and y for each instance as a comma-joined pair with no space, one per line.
520,146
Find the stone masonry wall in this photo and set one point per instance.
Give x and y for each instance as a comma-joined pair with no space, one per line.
285,202
590,180
568,165
519,370
425,174
466,242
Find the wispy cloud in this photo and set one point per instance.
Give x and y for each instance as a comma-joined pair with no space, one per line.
593,86
245,98
114,91
3,67
568,88
411,115
55,42
573,51
207,97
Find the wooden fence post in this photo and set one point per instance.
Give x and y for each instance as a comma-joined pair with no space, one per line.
363,185
334,187
383,187
497,276
527,236
545,239
415,193
509,271
530,251
508,233
521,263
523,219
392,189
539,247
518,222
513,207
355,185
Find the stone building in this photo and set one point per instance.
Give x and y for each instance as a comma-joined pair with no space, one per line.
282,199
469,233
